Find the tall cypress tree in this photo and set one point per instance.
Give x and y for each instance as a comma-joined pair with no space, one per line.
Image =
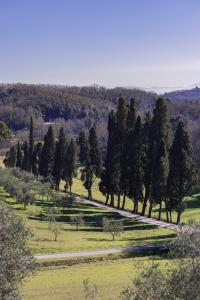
147,160
161,130
92,167
182,171
26,161
110,176
131,121
59,161
31,143
19,156
121,128
160,175
82,143
36,158
135,171
70,170
47,155
11,158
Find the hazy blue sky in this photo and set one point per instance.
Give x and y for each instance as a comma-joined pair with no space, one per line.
143,43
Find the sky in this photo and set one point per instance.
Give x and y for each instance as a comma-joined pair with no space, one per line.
152,44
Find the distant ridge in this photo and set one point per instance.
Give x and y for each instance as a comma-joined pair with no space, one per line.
187,94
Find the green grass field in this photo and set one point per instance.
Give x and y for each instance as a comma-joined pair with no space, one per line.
90,236
112,273
57,283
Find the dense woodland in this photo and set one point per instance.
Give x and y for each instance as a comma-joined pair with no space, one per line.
149,160
75,108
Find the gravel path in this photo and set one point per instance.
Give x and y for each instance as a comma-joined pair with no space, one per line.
102,252
128,214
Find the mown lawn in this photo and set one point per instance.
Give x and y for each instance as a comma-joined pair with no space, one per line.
191,213
66,282
90,236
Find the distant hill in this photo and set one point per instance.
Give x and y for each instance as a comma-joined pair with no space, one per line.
76,108
187,95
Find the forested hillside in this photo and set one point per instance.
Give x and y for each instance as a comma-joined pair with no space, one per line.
76,108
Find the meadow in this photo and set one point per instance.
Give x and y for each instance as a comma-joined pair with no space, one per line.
111,273
66,282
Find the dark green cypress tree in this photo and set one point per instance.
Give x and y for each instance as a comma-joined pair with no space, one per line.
131,121
59,161
147,160
161,129
31,143
110,177
36,158
82,143
160,175
135,171
121,130
132,115
11,158
25,161
47,155
182,171
92,167
19,156
70,170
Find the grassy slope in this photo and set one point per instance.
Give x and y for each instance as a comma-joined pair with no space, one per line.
67,282
90,236
192,211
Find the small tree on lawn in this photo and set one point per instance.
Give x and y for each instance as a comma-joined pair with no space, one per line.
113,227
55,228
77,220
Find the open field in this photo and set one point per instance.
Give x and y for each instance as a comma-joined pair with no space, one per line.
66,282
90,236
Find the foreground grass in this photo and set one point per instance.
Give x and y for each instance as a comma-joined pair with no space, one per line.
192,211
66,282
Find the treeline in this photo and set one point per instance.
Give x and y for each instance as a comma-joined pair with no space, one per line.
145,161
58,160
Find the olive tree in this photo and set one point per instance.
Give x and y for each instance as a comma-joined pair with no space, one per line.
16,261
181,280
112,227
77,220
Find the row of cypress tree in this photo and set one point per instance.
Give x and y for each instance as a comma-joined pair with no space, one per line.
146,161
58,160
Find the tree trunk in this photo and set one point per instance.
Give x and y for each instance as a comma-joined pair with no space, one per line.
146,197
178,218
70,189
118,201
170,214
112,200
135,208
89,194
124,201
107,199
160,211
150,209
167,214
